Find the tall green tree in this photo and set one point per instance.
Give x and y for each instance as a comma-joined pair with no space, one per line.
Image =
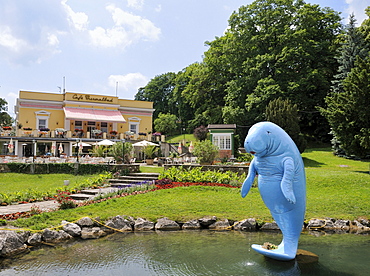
5,119
203,95
159,90
279,48
166,123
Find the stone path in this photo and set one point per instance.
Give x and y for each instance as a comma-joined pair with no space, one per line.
25,207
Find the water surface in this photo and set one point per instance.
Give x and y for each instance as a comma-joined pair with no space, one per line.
192,253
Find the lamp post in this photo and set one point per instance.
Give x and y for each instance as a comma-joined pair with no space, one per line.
78,149
123,150
33,150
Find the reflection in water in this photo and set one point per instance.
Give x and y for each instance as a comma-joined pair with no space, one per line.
191,253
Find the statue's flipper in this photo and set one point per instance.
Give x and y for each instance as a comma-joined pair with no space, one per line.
277,254
287,181
248,182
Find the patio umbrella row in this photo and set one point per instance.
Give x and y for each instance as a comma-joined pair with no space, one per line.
80,145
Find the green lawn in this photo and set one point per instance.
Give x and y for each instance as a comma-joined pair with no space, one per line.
180,138
336,187
14,182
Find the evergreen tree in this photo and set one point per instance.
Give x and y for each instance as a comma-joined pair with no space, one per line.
285,114
342,102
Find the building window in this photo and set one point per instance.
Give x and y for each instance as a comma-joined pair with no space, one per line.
78,124
133,128
42,119
42,123
104,126
134,124
223,142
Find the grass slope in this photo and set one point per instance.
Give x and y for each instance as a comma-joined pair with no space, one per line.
336,187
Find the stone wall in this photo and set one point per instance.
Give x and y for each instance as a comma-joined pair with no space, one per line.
43,168
15,242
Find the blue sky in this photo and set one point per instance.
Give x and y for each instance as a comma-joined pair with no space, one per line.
93,45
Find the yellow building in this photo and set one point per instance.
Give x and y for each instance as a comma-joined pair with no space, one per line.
93,116
65,117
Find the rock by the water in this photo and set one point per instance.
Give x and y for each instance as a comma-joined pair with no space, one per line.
119,223
92,233
340,223
85,222
306,257
220,225
270,226
11,243
71,228
246,225
34,239
191,225
54,236
166,224
207,221
143,225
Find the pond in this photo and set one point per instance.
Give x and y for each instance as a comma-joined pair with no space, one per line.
192,253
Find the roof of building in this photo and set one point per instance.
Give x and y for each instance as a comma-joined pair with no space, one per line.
222,126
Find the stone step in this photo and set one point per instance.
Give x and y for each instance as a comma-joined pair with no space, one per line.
81,196
92,193
98,191
125,185
137,177
130,181
144,174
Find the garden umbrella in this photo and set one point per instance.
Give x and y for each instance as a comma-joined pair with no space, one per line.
10,146
144,144
106,143
81,143
60,148
80,147
53,148
179,149
191,147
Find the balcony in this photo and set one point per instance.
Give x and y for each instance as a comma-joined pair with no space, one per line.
76,133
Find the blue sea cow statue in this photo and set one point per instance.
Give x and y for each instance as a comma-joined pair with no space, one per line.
281,182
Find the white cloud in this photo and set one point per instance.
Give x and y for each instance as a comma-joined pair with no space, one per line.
358,8
129,83
53,40
79,20
110,37
9,41
158,8
127,29
136,4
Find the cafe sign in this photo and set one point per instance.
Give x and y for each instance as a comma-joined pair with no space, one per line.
90,98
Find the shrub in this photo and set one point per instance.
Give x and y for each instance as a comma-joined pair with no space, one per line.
200,133
206,151
197,175
65,201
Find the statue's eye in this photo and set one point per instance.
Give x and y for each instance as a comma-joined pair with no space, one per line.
268,132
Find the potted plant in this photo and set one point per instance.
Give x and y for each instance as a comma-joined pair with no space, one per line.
121,152
150,151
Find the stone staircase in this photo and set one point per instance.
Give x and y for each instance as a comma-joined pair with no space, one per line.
116,184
